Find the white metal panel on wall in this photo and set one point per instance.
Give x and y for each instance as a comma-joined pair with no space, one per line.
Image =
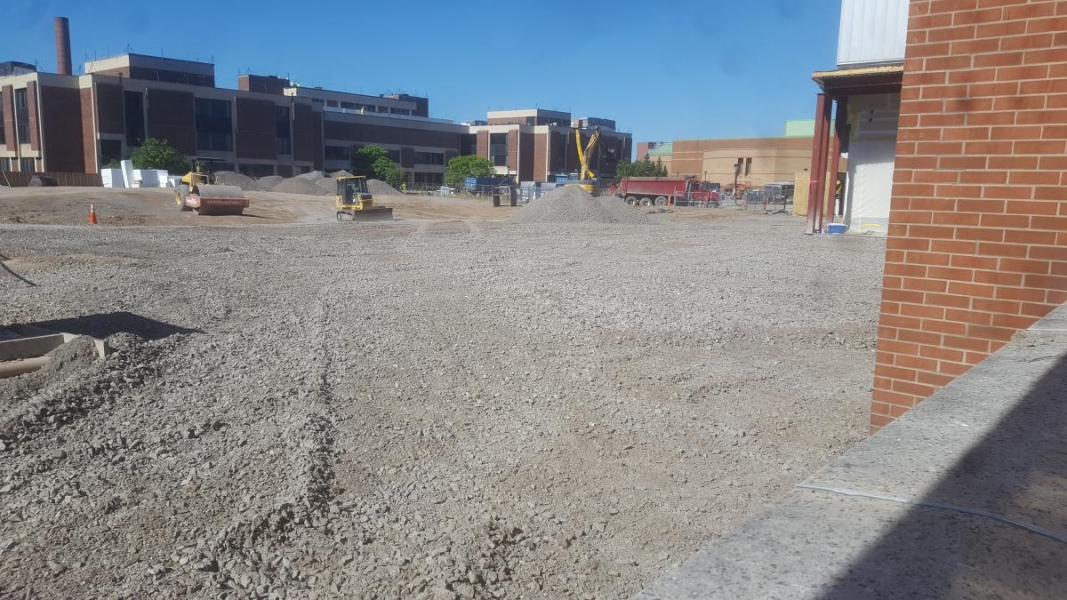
872,32
871,161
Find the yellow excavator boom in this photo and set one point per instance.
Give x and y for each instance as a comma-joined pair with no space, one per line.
584,154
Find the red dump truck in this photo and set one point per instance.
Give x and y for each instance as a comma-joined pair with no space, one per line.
664,191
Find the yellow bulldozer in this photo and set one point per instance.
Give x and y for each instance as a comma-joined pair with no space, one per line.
199,191
354,201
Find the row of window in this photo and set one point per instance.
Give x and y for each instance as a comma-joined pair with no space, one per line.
22,118
429,158
26,165
366,108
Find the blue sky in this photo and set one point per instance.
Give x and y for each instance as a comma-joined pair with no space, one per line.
662,69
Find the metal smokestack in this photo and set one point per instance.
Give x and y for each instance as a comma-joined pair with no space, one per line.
63,64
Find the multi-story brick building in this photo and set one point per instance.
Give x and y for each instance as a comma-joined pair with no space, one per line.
59,122
538,144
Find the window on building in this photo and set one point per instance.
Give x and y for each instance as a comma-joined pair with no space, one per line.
400,111
338,152
27,165
214,125
347,105
3,134
284,130
333,104
748,166
498,149
110,150
134,109
22,116
394,155
5,164
429,158
256,171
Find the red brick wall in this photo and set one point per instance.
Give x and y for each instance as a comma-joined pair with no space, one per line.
303,133
171,117
109,108
31,109
526,157
513,150
977,245
540,157
61,124
256,135
8,99
88,130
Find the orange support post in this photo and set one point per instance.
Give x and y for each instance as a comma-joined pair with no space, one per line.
817,172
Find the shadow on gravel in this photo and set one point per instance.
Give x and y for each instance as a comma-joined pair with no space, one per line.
106,324
14,274
1019,472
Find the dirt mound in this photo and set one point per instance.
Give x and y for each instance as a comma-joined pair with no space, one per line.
242,181
301,185
267,183
572,204
341,173
328,184
378,187
311,175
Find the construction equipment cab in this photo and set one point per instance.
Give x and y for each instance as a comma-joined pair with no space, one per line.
355,203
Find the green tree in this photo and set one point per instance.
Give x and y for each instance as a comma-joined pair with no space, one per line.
389,172
365,159
642,168
373,161
159,154
462,167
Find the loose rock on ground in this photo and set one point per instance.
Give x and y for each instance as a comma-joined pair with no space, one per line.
434,409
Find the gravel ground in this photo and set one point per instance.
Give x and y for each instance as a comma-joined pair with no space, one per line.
463,409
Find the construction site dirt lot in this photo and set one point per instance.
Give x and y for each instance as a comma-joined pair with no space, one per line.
70,206
429,408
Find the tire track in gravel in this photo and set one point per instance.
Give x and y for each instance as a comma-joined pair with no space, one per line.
263,540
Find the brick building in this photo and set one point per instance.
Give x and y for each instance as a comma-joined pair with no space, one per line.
538,145
977,234
58,122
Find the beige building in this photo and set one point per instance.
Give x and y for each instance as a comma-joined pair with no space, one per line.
762,160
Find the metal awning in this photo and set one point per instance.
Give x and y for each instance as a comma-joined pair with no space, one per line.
862,80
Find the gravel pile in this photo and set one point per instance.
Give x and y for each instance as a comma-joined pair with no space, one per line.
302,185
327,184
267,183
376,187
572,204
516,412
244,182
316,183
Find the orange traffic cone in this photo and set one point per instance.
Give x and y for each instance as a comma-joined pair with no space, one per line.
92,214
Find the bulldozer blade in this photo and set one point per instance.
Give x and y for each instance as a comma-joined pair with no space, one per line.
378,213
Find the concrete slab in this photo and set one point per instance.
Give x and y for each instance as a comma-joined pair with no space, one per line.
823,546
963,497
